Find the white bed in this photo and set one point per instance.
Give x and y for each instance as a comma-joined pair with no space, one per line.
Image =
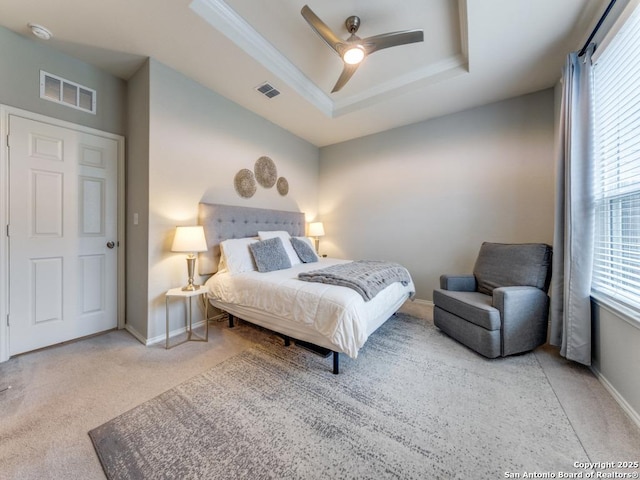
333,317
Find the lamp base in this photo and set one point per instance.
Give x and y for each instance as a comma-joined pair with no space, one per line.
191,261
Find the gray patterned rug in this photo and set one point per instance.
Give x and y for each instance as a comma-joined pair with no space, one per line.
414,405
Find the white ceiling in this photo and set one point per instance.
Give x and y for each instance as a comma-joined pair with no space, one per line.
475,52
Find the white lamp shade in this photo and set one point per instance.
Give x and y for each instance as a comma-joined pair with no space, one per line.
316,229
189,239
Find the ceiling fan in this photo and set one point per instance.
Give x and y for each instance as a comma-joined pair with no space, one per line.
355,49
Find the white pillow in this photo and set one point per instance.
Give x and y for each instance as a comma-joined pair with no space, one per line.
284,236
236,256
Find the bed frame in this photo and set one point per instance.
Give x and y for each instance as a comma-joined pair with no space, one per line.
222,222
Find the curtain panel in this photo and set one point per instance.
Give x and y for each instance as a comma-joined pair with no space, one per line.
570,312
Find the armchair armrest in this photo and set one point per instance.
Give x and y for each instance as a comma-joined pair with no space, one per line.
458,283
524,313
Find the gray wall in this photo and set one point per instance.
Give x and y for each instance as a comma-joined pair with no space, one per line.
427,195
21,60
197,142
616,355
138,202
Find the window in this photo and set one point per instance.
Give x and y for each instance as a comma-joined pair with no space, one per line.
616,102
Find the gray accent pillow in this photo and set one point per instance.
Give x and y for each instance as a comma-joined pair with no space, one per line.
505,265
270,255
304,251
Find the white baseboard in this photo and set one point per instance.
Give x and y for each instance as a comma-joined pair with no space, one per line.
179,331
427,303
137,335
635,417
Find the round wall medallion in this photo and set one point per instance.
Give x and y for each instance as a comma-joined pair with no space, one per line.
283,186
266,172
245,183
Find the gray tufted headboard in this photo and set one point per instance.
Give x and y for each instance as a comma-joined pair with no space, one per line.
222,222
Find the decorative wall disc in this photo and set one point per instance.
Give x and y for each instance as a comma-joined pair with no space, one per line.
266,172
245,183
283,186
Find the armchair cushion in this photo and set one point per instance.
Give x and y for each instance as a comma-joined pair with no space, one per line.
474,307
459,283
502,265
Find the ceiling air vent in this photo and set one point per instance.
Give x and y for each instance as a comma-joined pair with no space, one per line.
65,92
267,90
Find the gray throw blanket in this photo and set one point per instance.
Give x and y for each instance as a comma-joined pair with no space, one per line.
367,277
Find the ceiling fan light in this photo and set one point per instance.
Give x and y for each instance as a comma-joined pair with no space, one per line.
354,55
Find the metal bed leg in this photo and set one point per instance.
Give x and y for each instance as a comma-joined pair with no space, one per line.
230,321
287,340
336,363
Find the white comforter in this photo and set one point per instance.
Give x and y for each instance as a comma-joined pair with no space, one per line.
337,313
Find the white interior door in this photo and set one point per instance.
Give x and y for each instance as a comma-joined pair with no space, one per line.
62,234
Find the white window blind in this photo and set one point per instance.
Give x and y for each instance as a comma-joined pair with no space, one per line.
616,102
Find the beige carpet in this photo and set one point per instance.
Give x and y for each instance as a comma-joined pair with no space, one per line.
412,406
59,394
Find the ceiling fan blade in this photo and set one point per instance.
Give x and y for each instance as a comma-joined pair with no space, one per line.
386,40
346,74
321,28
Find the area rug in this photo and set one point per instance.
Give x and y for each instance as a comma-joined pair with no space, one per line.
413,405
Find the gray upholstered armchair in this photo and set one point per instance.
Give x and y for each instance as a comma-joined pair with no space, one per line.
503,308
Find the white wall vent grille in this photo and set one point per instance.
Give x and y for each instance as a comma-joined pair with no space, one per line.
65,92
268,90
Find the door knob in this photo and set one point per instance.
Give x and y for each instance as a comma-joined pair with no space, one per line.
110,244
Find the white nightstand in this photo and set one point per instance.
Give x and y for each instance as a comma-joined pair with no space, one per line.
188,296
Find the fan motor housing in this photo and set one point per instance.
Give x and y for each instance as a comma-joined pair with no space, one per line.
352,23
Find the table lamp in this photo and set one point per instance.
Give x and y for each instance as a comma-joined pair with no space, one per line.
316,230
190,240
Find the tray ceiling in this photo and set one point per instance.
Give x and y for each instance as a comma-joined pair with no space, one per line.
475,52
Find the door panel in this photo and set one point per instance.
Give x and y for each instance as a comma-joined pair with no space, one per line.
46,203
46,278
62,213
92,207
92,288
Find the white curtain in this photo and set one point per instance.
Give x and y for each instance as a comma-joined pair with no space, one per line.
574,216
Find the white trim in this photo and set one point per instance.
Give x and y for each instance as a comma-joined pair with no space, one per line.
59,100
5,112
445,69
137,335
162,338
635,416
4,244
615,28
618,309
224,19
121,225
419,301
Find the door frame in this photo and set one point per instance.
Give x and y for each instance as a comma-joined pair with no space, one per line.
5,112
